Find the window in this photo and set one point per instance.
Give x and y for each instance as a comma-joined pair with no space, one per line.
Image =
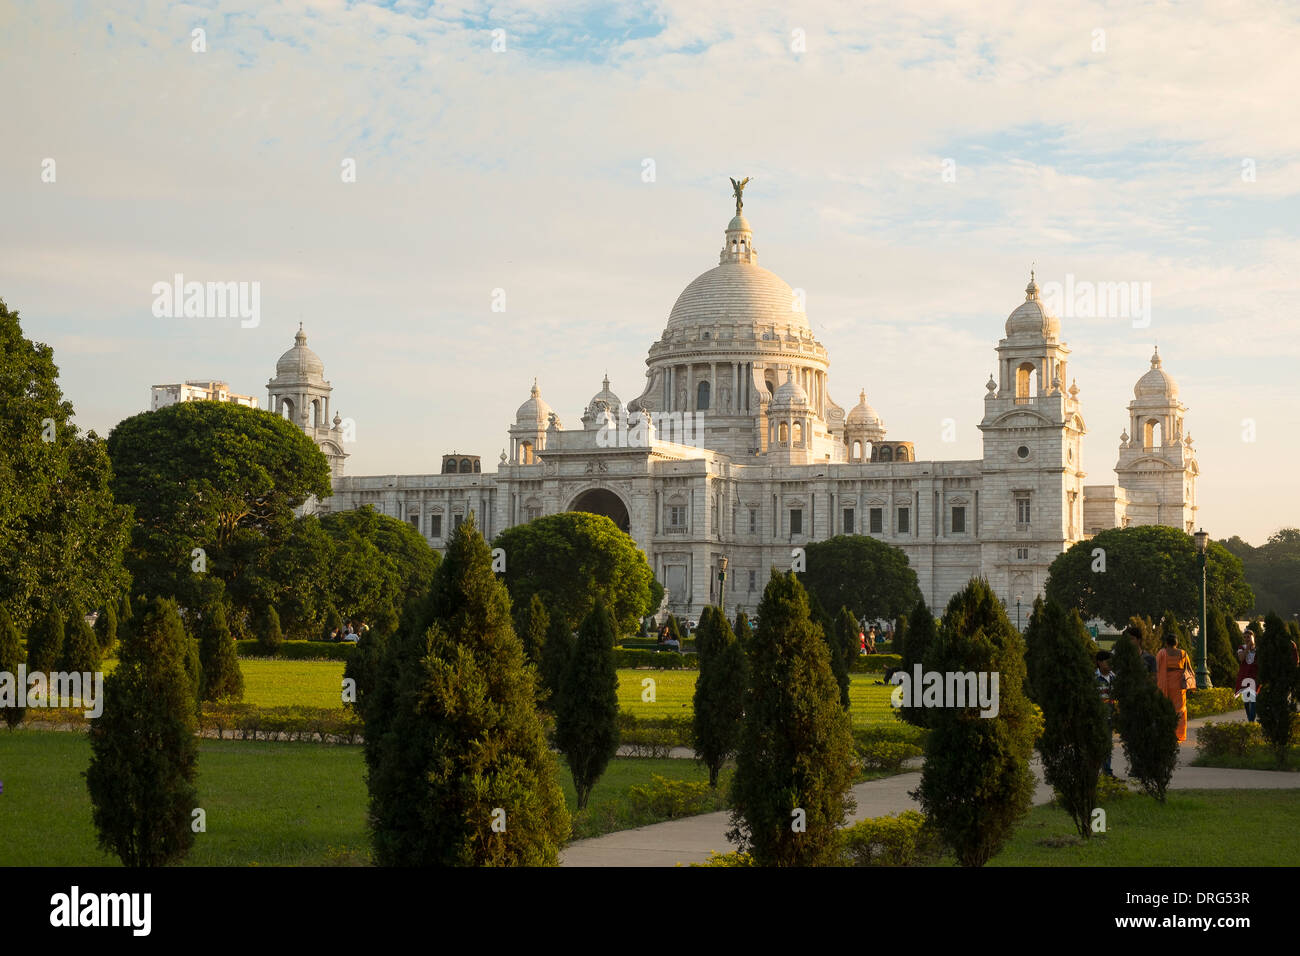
1022,554
904,520
415,521
702,397
753,521
848,520
1022,509
457,521
1022,452
753,580
677,516
435,526
796,521
959,519
877,518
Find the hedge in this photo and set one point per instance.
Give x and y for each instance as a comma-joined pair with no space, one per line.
1207,703
654,736
656,660
297,651
874,663
901,840
1228,740
888,746
250,722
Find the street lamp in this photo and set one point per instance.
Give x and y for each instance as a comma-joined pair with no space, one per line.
1018,597
1202,668
722,584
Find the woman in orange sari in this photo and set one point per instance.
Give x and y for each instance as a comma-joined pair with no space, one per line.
1170,663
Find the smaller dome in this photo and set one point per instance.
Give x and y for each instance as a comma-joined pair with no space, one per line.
1031,316
1156,383
605,399
535,411
790,393
862,413
738,224
300,361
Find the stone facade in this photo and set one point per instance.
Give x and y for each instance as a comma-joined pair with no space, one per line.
735,448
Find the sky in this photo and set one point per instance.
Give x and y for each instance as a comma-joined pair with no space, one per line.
908,167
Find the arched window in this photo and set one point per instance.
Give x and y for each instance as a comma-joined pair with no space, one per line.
526,453
702,397
466,466
886,453
1151,436
1026,380
798,434
449,466
783,433
901,454
286,408
316,420
477,468
857,451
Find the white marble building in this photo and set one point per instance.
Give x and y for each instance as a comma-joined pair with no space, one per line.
735,448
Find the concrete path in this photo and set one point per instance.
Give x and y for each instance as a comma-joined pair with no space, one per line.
690,839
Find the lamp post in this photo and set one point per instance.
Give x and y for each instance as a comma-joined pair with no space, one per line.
1202,540
1018,597
722,585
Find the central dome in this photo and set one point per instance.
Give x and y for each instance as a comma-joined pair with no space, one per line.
737,292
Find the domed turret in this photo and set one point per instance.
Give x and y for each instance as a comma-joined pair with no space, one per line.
862,413
1156,383
1031,317
528,433
606,400
790,394
535,410
300,361
300,393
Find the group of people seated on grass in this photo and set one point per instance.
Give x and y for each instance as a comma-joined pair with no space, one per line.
350,632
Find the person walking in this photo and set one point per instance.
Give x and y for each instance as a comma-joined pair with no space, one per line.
1148,659
1247,670
1172,675
1106,687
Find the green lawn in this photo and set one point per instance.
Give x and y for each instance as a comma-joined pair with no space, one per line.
1194,828
675,690
270,683
267,804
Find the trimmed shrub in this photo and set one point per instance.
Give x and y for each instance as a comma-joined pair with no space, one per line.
670,799
895,840
654,736
1145,720
728,859
298,650
875,663
1208,703
655,660
219,666
1228,740
719,692
270,636
586,715
80,646
106,629
45,643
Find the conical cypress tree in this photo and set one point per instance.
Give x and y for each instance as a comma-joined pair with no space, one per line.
976,784
586,720
531,623
1169,625
271,636
45,643
1076,734
459,770
106,629
1220,650
1145,720
795,764
742,629
556,652
842,643
218,662
719,692
80,646
1276,681
921,634
143,749
900,635
675,629
11,656
334,623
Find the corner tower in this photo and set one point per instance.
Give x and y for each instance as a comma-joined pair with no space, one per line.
300,393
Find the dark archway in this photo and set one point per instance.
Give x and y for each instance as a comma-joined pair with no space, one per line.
602,501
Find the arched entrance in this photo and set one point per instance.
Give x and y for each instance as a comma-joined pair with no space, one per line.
602,501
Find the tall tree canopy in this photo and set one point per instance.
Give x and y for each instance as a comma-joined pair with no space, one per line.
215,476
573,558
1148,569
872,579
62,536
1272,570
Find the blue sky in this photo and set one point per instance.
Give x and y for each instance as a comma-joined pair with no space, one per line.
523,170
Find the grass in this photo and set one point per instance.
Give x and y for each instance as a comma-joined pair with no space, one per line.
1194,828
1259,758
267,804
675,690
271,683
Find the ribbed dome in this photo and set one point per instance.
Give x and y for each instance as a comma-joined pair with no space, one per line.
1031,317
862,413
535,411
789,394
737,292
300,361
1156,383
607,398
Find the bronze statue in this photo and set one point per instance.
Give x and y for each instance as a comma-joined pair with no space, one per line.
738,189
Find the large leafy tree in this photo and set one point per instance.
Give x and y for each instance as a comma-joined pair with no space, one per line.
795,763
586,716
458,768
573,559
1272,570
872,579
1147,569
144,753
382,567
1076,734
213,476
719,700
977,784
62,535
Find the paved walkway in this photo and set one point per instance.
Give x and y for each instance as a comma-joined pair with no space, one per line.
690,839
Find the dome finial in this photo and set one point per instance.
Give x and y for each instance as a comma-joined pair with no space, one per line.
1155,357
301,337
535,391
738,190
1031,290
